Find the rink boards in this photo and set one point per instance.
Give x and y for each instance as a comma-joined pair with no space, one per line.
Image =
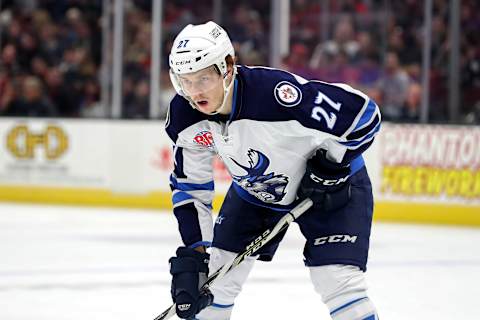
419,173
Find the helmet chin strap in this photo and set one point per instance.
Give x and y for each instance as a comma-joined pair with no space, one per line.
226,91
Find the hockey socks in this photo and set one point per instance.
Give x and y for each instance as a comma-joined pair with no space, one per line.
357,309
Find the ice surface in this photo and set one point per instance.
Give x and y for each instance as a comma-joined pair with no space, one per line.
72,263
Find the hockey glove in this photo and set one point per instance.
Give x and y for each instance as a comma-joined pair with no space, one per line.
326,183
189,270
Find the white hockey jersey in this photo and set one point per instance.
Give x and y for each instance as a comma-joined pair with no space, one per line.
278,121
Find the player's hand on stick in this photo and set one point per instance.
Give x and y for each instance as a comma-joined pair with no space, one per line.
326,183
189,269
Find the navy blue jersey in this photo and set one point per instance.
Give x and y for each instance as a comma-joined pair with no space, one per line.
278,121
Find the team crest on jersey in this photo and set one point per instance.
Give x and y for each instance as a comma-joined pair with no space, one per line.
204,138
270,187
287,94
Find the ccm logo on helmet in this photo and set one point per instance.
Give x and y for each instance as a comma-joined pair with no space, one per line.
179,63
335,238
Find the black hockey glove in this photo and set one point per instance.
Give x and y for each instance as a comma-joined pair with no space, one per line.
189,270
326,183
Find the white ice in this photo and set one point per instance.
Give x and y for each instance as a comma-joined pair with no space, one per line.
64,263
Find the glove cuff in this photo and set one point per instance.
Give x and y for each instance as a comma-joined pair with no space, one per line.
320,166
202,259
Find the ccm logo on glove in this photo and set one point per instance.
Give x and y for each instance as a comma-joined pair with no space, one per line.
326,183
329,182
184,307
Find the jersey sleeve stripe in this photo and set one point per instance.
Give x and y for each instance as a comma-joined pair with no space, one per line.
356,143
351,154
210,186
182,196
367,116
358,134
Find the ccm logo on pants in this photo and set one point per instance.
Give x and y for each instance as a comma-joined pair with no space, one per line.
335,238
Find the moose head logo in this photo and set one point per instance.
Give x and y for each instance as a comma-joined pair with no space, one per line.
270,187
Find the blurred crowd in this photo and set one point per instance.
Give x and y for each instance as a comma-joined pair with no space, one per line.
51,52
376,46
49,57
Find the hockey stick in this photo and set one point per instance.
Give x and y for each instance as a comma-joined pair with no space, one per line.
256,244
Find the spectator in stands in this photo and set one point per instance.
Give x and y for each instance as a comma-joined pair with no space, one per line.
393,87
367,47
470,84
40,35
137,106
50,45
296,61
26,50
9,61
405,44
369,72
6,91
340,70
304,21
167,93
60,93
39,67
411,107
90,105
343,41
32,102
249,37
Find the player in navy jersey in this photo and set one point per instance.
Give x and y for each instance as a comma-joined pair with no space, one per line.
282,138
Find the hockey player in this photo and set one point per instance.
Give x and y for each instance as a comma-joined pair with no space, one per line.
282,138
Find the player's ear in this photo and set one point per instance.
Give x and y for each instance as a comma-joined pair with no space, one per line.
230,63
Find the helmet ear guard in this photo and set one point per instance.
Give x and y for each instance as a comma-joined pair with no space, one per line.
176,83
